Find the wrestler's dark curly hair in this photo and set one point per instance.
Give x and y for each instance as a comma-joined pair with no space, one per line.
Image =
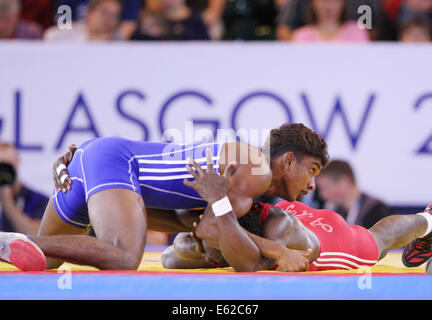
251,222
298,139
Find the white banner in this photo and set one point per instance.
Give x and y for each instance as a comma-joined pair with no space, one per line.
372,103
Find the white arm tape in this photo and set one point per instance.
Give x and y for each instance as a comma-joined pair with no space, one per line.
221,207
60,168
63,178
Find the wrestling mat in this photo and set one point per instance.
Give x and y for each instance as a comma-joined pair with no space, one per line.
389,280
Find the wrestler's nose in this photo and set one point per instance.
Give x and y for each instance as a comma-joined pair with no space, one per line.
312,185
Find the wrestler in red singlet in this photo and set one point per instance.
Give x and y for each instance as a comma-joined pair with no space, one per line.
343,246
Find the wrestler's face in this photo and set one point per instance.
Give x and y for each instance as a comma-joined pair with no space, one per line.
299,175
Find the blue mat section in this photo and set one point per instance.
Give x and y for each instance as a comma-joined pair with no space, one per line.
211,287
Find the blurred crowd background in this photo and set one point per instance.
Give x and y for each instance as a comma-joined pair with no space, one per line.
216,20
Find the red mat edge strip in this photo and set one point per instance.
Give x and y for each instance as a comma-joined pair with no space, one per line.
271,273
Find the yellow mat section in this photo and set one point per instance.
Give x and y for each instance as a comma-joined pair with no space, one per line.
392,263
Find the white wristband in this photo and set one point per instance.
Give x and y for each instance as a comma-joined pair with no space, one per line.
60,168
221,207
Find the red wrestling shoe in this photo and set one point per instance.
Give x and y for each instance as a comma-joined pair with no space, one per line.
420,250
23,253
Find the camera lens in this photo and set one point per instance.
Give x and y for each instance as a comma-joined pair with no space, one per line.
7,174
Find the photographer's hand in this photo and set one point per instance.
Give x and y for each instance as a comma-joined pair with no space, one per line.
6,196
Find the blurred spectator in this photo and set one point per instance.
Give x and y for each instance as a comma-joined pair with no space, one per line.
151,26
211,12
396,13
337,187
295,14
183,22
21,208
38,11
176,22
250,20
128,20
12,27
152,5
327,22
415,30
233,19
101,23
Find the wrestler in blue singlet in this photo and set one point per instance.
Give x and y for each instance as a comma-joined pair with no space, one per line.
153,170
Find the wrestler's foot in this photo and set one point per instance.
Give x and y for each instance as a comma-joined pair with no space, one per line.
20,251
420,250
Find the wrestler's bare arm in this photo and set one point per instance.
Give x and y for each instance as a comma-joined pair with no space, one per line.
242,251
251,178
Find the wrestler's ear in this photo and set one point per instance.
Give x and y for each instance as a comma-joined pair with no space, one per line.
288,160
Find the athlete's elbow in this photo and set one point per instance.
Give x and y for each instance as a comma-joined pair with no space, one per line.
253,265
167,258
180,247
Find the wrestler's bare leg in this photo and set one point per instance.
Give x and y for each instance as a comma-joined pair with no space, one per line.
394,232
118,217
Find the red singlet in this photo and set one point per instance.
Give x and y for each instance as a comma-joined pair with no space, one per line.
343,246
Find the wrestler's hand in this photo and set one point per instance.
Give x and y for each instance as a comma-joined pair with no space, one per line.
207,229
198,243
210,185
199,248
293,260
62,181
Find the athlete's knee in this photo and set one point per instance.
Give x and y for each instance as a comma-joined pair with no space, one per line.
181,240
127,261
382,241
